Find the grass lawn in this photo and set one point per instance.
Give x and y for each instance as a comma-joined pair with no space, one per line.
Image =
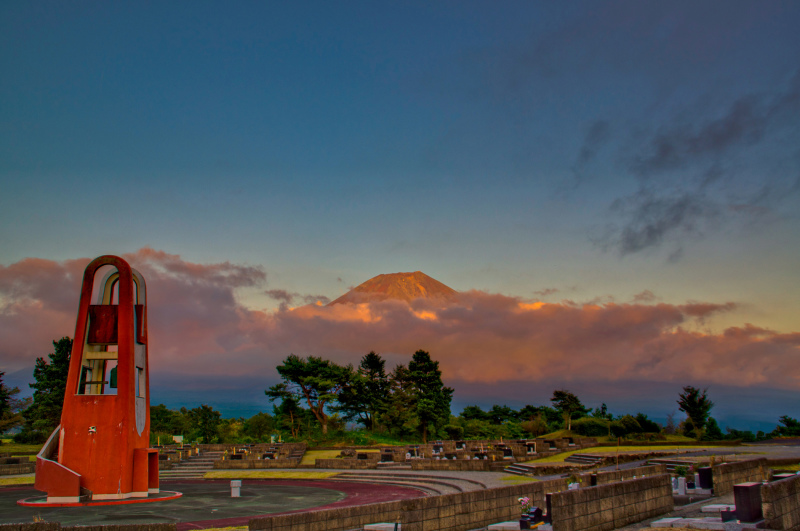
311,456
558,458
517,480
794,468
15,449
606,439
25,479
266,474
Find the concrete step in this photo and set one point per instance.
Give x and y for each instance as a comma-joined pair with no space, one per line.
430,487
589,459
397,478
671,464
394,466
519,470
437,477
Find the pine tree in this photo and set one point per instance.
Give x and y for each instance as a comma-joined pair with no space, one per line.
400,416
569,405
697,406
364,397
433,399
315,381
44,414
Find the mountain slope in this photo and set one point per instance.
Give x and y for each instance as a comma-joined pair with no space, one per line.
398,286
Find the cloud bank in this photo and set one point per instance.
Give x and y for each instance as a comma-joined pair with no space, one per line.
199,329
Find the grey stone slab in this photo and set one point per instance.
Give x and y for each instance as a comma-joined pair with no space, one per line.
664,522
504,526
717,508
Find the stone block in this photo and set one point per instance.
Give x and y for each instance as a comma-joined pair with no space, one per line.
581,522
504,526
463,520
665,522
409,505
592,493
430,514
717,508
446,511
448,522
350,522
564,525
708,523
593,519
430,525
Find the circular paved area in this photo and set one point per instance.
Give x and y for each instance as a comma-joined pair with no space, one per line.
208,503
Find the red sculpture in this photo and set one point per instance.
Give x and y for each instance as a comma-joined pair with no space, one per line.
103,441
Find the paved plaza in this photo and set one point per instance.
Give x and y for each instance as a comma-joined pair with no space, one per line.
208,503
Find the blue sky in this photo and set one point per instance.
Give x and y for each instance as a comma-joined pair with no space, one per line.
582,152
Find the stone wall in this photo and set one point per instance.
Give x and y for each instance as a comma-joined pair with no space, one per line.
780,503
454,465
8,460
55,526
241,464
611,506
726,475
23,468
347,464
451,512
122,527
620,475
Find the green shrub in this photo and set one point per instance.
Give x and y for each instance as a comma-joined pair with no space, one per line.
647,425
453,432
590,427
625,425
537,425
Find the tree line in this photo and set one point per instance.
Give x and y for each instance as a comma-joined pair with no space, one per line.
318,399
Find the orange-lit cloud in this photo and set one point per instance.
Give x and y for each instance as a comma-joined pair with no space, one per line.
197,327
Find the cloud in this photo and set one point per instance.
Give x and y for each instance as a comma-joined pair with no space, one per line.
542,293
287,298
651,218
744,123
192,307
697,175
597,135
644,296
199,332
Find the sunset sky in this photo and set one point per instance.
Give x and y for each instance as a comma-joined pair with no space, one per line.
615,186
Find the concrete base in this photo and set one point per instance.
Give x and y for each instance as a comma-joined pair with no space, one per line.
59,502
665,522
504,526
717,508
382,527
709,522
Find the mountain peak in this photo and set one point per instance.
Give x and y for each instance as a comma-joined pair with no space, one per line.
397,286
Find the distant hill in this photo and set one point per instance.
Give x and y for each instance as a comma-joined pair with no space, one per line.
398,286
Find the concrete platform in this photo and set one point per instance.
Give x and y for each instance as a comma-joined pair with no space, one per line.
717,508
208,503
41,501
504,526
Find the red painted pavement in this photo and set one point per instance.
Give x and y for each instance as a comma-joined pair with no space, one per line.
357,494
